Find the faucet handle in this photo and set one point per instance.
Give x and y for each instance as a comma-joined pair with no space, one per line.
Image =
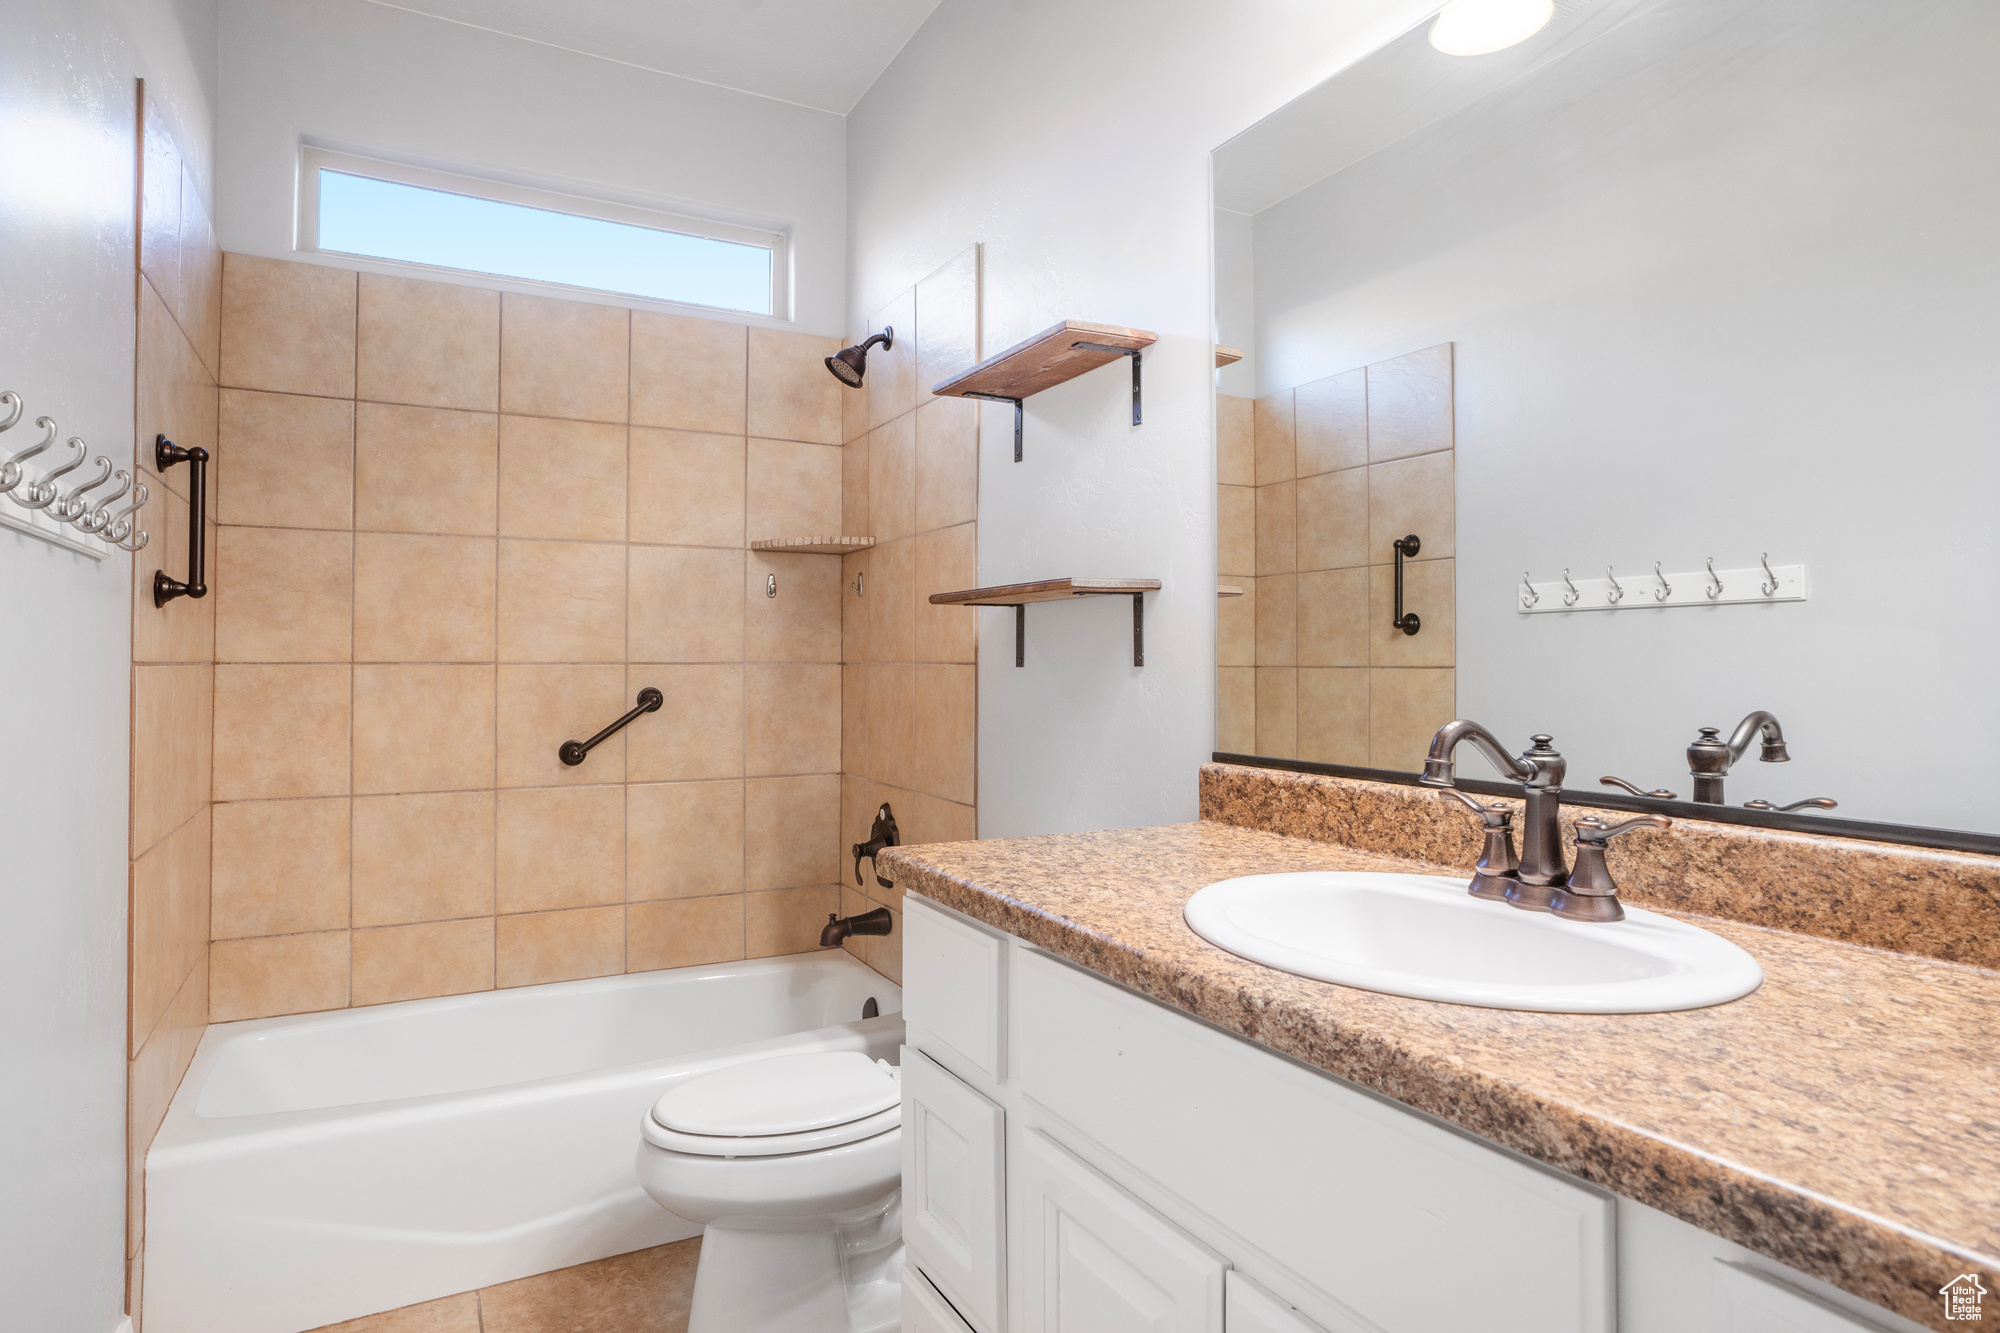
1590,830
1661,794
1591,894
1498,861
1812,803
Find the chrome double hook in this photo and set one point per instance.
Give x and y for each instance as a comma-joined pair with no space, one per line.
1768,589
1715,589
76,507
1617,592
1571,597
11,471
1666,589
1529,596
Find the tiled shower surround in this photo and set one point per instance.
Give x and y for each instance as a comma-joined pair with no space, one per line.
1316,482
459,528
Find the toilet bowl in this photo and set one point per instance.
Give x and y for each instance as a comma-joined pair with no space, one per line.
792,1166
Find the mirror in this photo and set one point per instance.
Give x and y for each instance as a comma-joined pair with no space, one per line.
1670,333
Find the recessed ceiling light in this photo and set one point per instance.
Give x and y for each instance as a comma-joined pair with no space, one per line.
1479,27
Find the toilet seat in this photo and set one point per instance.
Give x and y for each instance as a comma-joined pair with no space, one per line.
782,1105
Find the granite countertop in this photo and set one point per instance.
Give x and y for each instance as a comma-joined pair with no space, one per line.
1843,1119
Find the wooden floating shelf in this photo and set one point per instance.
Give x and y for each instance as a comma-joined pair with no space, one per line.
813,545
1054,356
1227,356
1018,595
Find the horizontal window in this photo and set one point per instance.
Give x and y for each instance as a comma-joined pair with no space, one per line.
377,210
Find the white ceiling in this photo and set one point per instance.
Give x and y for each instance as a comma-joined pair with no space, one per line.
818,53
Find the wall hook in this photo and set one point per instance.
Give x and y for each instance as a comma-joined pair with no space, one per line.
1617,592
10,471
1767,588
1570,597
1666,589
121,524
1530,596
72,507
43,493
12,402
99,518
771,585
857,582
1715,591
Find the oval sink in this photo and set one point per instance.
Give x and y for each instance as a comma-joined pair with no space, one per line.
1425,937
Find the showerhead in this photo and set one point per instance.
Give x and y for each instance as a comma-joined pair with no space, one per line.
850,364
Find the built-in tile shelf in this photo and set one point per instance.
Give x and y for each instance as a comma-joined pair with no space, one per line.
813,545
1055,355
1018,595
1227,356
1228,590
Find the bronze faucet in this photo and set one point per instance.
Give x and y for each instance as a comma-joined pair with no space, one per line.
1540,771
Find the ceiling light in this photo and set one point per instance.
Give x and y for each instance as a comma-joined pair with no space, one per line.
1479,27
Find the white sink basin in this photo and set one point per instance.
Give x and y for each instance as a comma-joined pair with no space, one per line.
1425,937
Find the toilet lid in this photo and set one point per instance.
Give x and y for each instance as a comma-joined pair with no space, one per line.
783,1095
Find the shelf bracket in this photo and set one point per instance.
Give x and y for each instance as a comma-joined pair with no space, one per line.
1132,352
1002,398
1138,624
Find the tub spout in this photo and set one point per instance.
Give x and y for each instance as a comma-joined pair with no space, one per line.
839,927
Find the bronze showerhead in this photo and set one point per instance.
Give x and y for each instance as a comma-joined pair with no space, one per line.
850,364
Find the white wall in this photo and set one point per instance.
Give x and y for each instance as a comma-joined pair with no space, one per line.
370,78
1733,301
1072,140
67,113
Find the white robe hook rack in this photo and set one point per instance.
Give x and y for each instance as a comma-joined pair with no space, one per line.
1761,582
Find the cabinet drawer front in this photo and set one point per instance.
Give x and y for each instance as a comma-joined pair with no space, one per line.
1747,1301
1402,1222
1093,1259
1248,1308
954,1188
954,991
924,1311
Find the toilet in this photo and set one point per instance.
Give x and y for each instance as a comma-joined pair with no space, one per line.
793,1167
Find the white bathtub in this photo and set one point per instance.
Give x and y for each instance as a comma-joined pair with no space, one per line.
317,1168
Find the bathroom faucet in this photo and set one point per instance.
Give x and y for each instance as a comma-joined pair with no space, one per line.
1540,771
838,927
1710,757
883,834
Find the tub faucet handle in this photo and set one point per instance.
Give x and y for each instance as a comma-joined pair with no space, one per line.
883,834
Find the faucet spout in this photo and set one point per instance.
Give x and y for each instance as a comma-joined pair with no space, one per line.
1540,771
1439,764
1773,751
1710,757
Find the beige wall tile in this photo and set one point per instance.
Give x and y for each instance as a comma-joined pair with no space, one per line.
200,309
1332,511
1236,531
801,623
856,643
792,831
683,932
169,920
1273,430
413,962
1332,423
1412,495
281,731
562,479
184,629
642,1292
1277,546
1235,441
1236,626
698,732
171,758
892,479
1334,618
1236,710
1333,715
892,371
559,946
424,599
283,595
853,408
925,820
1277,712
561,847
287,327
891,720
687,604
424,856
792,397
166,374
794,490
793,722
854,488
687,489
540,707
280,868
946,721
563,358
683,840
283,460
782,921
1277,620
453,1314
688,374
152,1078
1410,404
891,610
435,344
423,469
1430,590
563,601
1406,706
947,326
423,728
947,463
277,974
853,707
946,561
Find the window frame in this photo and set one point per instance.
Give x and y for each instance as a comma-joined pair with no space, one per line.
313,159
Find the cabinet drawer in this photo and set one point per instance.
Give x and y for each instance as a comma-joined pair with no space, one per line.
1248,1308
1747,1301
954,1189
924,1311
955,991
1402,1222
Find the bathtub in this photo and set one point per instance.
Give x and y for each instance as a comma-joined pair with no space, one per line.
321,1167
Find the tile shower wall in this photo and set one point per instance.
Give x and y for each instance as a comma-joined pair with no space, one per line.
910,479
1316,482
457,529
173,651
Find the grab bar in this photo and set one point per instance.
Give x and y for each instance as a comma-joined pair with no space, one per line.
165,454
573,752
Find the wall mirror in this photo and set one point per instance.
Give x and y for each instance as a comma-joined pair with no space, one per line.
1669,335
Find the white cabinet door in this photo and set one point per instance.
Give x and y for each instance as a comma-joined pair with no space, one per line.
924,1311
1248,1308
1093,1259
954,1188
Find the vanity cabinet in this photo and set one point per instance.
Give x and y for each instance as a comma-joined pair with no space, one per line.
954,1188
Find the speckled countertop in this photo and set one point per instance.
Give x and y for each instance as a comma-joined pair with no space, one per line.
1843,1119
